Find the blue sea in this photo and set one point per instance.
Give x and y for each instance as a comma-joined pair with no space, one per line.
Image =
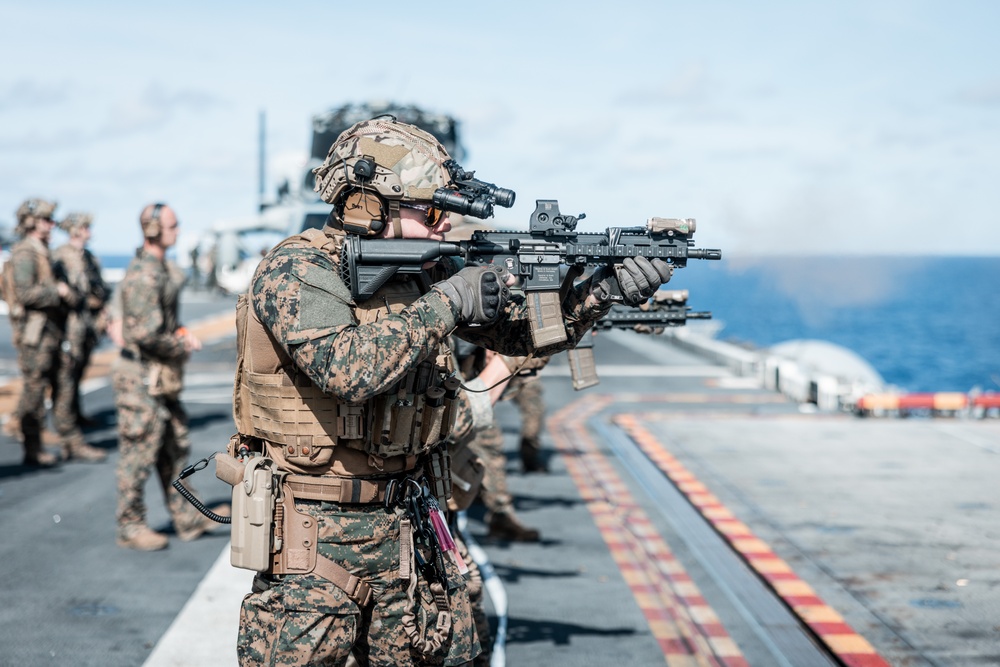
925,324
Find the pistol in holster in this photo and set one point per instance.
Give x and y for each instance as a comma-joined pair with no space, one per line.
256,492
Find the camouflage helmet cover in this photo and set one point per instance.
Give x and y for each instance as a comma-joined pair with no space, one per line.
32,209
75,220
409,161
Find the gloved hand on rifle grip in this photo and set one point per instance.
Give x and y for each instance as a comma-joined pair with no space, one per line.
633,281
481,291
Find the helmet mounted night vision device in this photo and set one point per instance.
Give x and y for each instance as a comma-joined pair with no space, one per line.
470,196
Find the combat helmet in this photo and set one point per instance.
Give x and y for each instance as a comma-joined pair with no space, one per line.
75,220
375,166
32,209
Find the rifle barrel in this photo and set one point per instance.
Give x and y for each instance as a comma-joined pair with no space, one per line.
705,253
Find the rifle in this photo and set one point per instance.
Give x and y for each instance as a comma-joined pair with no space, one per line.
623,317
534,256
668,308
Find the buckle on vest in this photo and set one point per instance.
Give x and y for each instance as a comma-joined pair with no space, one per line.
351,418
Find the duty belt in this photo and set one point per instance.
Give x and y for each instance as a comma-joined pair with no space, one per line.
350,490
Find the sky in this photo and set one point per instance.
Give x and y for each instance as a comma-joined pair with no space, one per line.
802,128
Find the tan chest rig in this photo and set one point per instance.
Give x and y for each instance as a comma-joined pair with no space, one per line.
28,323
302,426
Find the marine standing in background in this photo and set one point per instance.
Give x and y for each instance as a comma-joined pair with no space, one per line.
468,473
488,445
352,399
39,304
86,322
148,378
525,391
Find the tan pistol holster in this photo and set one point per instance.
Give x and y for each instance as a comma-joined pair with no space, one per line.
270,535
253,515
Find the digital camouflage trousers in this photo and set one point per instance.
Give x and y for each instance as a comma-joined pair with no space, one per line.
152,434
45,366
306,620
531,404
487,444
81,339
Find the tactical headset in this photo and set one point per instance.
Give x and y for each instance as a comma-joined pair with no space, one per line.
361,208
151,225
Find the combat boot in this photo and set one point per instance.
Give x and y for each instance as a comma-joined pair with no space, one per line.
505,527
79,450
141,538
531,460
202,524
40,459
35,454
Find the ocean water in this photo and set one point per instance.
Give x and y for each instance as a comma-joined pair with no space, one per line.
115,261
926,324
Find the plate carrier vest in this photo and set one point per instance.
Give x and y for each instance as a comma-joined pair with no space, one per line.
302,426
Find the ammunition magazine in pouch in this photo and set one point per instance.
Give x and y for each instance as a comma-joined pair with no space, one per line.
253,515
437,467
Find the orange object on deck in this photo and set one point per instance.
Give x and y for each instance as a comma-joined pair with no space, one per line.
950,401
941,401
879,402
987,401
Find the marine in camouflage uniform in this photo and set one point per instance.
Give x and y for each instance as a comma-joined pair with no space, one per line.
39,303
487,444
152,423
525,391
85,323
350,367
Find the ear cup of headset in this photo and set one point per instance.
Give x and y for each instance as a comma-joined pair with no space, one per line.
363,213
151,229
151,225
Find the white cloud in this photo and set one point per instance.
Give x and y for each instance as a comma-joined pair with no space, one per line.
27,94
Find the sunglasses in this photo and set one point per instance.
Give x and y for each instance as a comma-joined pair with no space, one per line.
432,216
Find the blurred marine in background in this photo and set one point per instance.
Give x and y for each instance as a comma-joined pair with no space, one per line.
525,391
39,302
87,321
147,379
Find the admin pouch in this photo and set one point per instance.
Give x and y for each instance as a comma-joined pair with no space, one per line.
166,380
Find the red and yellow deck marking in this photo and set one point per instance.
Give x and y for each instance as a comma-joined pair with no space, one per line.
684,625
850,647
